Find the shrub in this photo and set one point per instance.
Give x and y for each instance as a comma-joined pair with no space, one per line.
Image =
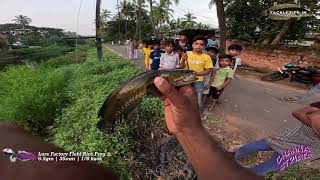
32,97
75,129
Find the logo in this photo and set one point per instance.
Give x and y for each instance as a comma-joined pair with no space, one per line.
293,155
20,155
286,12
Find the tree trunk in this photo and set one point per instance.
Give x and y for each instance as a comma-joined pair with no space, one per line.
266,40
136,18
222,24
282,32
152,20
98,31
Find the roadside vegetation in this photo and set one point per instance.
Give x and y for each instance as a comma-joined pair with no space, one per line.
60,98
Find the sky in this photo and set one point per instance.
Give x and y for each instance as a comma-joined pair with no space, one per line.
63,13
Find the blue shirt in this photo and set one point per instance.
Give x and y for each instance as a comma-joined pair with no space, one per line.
155,56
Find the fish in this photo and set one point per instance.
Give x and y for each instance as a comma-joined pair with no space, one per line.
125,98
286,12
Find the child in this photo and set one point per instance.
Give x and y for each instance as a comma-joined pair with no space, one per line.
135,49
169,60
199,62
155,55
147,50
234,50
222,78
212,51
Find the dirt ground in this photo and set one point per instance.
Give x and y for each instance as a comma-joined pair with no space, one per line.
249,108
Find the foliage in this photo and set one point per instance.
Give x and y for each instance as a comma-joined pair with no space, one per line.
38,54
75,129
34,36
31,97
294,173
252,25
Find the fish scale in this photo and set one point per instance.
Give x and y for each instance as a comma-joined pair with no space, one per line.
124,99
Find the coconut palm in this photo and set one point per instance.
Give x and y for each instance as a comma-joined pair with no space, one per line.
188,21
105,17
127,10
22,21
163,3
162,14
221,20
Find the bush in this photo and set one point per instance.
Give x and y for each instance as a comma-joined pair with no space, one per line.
75,129
32,97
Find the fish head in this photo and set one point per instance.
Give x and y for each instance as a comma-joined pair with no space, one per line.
179,77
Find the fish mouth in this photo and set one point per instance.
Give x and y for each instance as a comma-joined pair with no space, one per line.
105,127
185,80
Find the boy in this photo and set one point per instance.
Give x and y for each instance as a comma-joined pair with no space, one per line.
212,51
199,62
179,51
169,60
155,55
222,78
234,50
147,50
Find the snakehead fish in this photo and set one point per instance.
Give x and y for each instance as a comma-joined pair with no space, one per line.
124,99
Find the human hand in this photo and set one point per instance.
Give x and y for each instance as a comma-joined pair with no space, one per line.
180,107
219,88
184,56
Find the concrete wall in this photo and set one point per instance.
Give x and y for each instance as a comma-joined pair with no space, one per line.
273,57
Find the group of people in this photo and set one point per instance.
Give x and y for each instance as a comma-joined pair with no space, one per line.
214,69
132,48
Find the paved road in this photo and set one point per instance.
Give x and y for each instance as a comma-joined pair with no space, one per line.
250,106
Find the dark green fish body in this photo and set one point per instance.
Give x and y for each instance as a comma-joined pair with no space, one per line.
124,99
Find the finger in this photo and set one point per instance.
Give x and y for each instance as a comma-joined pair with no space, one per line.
188,92
168,90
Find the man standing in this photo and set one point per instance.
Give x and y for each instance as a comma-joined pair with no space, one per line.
199,62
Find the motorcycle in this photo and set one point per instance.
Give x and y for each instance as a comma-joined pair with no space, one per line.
307,75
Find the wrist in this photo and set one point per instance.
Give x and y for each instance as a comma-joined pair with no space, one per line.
190,132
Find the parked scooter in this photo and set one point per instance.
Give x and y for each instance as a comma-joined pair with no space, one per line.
307,75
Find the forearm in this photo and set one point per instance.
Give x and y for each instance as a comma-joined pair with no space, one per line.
203,73
207,158
226,83
302,114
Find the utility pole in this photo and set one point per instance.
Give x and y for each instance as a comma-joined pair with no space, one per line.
119,20
98,31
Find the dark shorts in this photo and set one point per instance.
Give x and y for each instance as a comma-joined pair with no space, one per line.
214,93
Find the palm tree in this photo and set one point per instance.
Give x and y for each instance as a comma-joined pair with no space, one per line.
222,22
127,10
22,21
98,30
105,16
162,14
188,21
163,3
151,19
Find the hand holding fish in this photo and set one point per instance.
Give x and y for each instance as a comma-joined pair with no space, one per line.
180,107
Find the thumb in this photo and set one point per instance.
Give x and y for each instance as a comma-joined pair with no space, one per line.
168,90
